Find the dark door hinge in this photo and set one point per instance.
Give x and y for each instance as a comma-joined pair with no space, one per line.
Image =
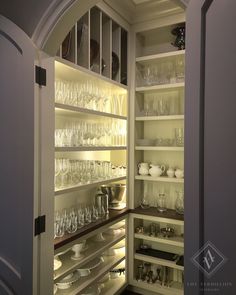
39,225
40,76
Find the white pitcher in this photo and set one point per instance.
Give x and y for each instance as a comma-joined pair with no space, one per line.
143,168
157,170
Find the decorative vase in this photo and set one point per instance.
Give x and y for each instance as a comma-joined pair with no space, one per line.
179,32
179,203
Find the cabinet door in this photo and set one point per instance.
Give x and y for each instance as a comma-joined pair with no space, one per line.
210,182
17,158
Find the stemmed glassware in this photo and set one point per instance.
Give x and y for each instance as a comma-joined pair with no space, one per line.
90,95
70,220
76,134
164,72
69,172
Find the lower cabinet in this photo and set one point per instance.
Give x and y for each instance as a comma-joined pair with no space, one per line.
94,263
156,254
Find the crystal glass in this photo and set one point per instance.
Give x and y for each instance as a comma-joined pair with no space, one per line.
179,136
161,203
179,203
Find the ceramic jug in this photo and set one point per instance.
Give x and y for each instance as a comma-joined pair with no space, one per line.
170,172
143,168
156,170
179,173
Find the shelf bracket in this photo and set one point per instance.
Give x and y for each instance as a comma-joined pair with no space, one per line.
39,225
40,76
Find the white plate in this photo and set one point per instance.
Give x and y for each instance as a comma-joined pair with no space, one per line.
92,291
57,264
105,279
73,257
68,280
94,263
119,245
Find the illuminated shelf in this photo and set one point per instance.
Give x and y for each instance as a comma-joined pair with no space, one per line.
160,148
160,87
158,261
88,185
69,265
174,241
159,118
84,282
90,148
156,57
176,288
160,179
67,110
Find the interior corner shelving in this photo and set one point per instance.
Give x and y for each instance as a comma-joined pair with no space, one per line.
153,50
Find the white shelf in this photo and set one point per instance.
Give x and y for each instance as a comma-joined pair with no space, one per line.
88,185
109,263
114,285
69,69
62,109
175,289
160,148
156,57
69,265
174,241
159,118
158,261
160,179
160,87
90,148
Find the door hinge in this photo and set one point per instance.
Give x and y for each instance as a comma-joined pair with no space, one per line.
39,225
40,76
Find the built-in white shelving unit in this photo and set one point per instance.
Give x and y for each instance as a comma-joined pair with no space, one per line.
90,90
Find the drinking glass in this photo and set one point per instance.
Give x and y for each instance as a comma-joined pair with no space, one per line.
179,136
180,69
161,202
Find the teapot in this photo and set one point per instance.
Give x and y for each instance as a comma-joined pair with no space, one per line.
170,172
156,170
179,173
143,168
